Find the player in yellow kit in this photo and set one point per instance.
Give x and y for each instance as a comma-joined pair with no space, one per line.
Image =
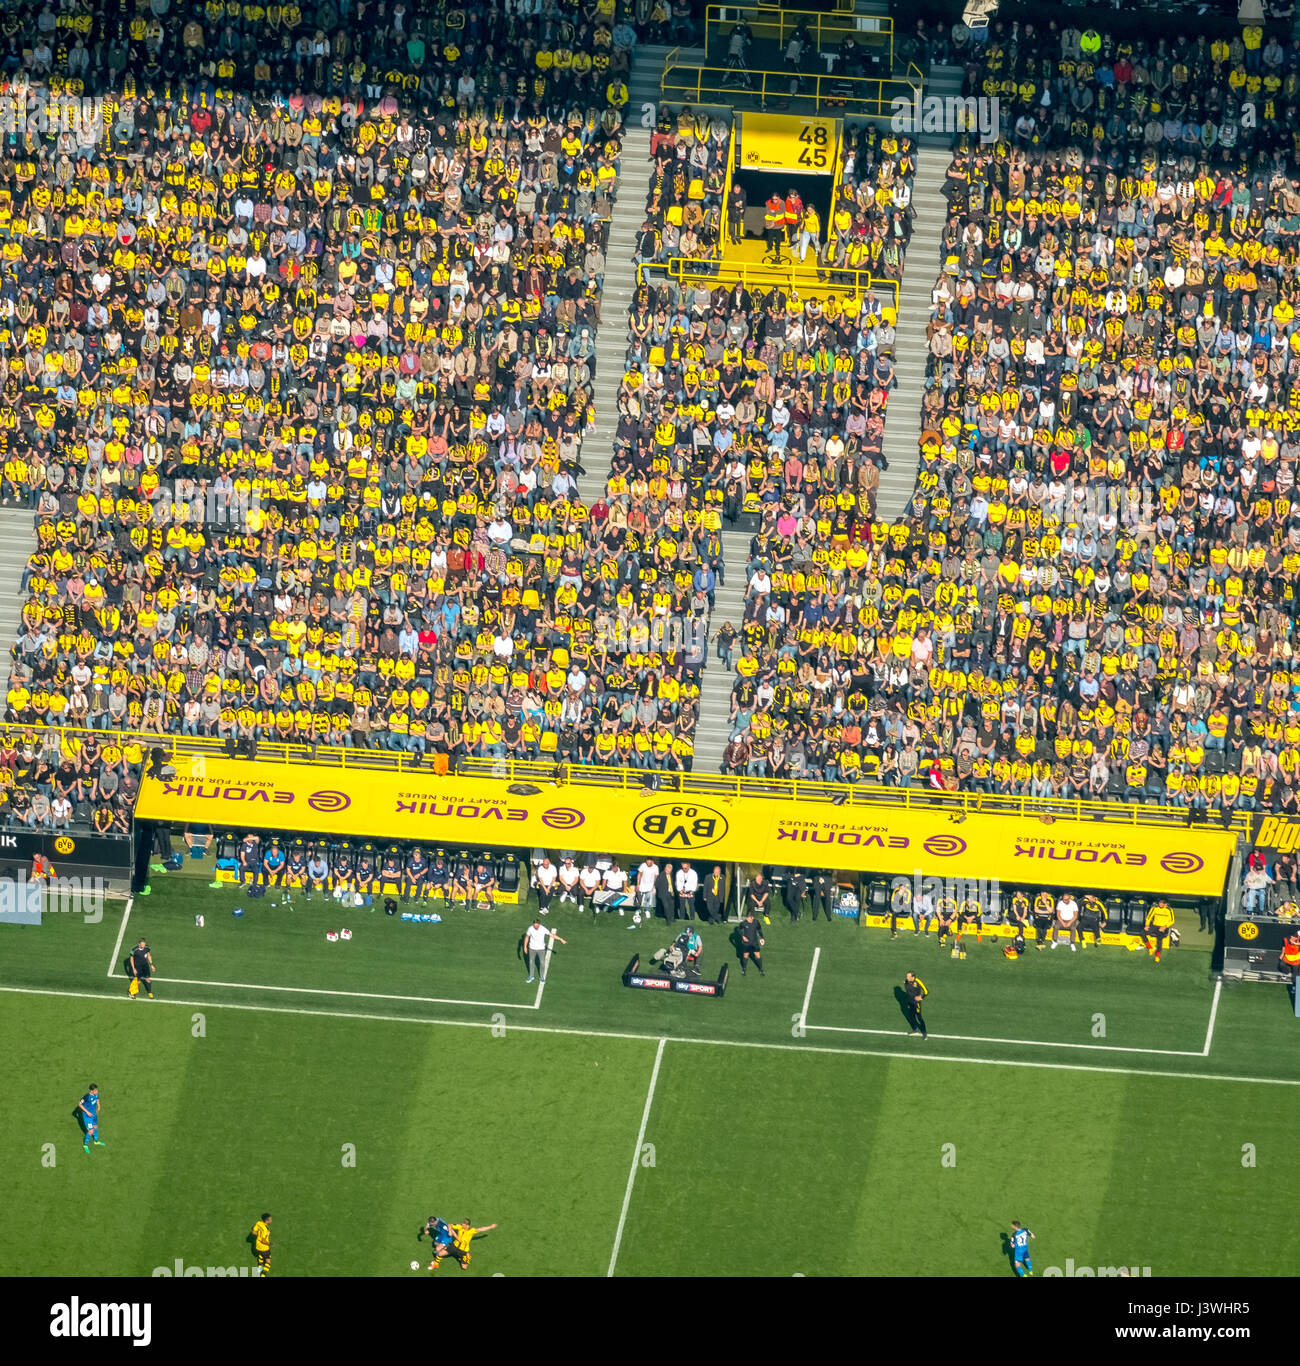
261,1240
462,1234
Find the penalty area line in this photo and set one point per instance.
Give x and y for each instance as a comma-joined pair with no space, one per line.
121,934
636,1157
359,995
1019,1043
891,1055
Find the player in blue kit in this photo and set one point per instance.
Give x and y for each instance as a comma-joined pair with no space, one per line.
87,1113
440,1235
1020,1249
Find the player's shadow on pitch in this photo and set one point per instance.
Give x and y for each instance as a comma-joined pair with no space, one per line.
1008,1252
901,997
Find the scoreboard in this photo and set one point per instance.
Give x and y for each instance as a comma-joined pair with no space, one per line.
780,142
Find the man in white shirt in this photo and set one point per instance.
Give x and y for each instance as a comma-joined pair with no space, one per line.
645,884
544,879
616,885
569,876
687,882
1067,921
538,941
588,885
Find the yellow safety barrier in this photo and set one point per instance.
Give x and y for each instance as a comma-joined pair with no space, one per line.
865,96
827,30
802,279
190,754
552,812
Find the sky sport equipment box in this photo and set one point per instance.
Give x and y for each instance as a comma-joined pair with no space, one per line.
462,812
650,980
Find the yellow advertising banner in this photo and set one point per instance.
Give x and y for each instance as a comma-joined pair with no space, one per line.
473,812
780,142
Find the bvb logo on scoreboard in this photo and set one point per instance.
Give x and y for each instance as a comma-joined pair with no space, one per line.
678,828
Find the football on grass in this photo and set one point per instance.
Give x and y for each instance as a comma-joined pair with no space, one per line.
415,1266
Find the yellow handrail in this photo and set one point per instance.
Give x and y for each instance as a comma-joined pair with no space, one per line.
865,96
179,749
759,275
827,29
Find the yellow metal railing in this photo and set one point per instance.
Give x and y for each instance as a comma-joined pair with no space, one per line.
827,30
179,749
756,275
865,96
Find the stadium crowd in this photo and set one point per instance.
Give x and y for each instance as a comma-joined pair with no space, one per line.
296,383
1093,591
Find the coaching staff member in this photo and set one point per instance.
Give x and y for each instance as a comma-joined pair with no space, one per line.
796,884
758,897
715,894
750,943
914,994
822,895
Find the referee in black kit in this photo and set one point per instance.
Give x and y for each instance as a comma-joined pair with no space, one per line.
751,941
796,884
914,994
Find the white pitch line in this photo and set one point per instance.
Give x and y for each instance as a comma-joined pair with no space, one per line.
360,995
812,977
1214,1015
546,967
121,934
636,1157
1021,1043
890,1054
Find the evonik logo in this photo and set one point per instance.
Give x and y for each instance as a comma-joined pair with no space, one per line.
74,1319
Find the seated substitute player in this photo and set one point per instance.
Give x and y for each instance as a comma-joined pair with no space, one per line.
261,1240
417,875
318,872
368,870
900,907
391,869
485,887
87,1113
440,877
462,880
1092,919
945,913
1020,1249
250,859
1018,915
968,914
345,870
1160,920
295,874
589,881
273,864
1044,916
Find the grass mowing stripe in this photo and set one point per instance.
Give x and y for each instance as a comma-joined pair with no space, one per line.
1019,1043
647,1038
121,934
636,1157
328,991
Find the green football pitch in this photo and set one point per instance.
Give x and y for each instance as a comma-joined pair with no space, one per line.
1131,1113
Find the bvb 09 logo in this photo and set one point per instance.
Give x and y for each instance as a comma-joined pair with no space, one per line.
64,845
678,828
1248,930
